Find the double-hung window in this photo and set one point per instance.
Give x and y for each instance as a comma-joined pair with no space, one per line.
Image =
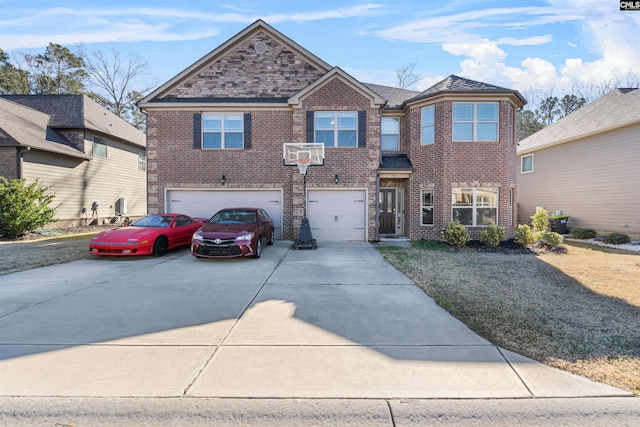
475,206
222,131
336,129
427,207
142,161
390,135
427,121
99,147
526,163
475,121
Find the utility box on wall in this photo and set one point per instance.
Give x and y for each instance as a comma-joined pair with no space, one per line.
121,206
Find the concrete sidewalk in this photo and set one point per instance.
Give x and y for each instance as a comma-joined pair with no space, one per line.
336,322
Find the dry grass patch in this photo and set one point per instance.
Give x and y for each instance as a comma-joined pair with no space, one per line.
577,309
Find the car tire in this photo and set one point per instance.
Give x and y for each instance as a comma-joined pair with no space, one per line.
271,239
161,246
258,251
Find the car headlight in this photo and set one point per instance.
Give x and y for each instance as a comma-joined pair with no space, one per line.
245,237
197,236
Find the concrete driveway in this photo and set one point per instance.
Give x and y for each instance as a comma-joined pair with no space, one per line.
336,322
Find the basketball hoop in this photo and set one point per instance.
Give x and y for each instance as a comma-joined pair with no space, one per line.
303,164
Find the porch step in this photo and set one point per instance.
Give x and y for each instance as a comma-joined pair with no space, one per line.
400,241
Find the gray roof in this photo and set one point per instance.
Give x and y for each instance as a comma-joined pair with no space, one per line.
395,96
616,109
395,162
27,127
81,112
456,84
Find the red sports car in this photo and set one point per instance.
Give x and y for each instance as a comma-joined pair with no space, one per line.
150,235
233,232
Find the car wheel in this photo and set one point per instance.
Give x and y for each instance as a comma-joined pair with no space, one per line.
161,246
271,239
258,251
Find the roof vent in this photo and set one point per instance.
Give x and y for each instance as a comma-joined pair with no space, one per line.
261,47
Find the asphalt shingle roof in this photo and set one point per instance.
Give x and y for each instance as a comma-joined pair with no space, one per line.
395,162
618,108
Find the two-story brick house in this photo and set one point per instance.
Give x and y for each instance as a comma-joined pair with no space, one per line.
397,162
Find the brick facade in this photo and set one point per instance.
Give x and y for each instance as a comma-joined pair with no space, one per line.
277,84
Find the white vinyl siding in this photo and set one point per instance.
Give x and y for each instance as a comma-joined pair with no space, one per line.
593,180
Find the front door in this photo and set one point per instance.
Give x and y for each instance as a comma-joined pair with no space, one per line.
387,211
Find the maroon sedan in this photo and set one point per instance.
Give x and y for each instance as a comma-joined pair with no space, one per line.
233,232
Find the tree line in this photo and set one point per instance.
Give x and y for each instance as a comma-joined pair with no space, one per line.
109,77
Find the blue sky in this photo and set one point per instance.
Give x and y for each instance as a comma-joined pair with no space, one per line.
525,45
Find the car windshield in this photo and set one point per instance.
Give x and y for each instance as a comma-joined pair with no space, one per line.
153,221
234,217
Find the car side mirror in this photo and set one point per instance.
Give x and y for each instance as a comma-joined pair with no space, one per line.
174,225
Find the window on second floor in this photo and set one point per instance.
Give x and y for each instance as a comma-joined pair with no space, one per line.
222,131
390,134
99,147
142,161
475,121
427,126
526,163
336,129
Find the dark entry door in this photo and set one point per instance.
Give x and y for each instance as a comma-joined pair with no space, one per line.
387,211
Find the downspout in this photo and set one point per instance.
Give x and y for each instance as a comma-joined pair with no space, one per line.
21,151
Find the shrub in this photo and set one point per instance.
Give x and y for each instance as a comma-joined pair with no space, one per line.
540,221
23,207
551,238
456,234
583,233
493,235
524,236
617,238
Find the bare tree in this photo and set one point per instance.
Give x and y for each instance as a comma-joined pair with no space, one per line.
407,76
114,75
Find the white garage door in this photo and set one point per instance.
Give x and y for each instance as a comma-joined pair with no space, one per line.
204,203
337,215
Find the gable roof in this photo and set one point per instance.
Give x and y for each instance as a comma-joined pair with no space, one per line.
376,99
616,109
80,112
459,85
258,25
26,127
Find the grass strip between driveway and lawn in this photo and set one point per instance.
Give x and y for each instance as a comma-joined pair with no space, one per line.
577,309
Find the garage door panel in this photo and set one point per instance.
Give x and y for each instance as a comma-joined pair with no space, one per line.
205,203
337,215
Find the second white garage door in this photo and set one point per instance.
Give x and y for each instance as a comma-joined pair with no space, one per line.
204,203
336,215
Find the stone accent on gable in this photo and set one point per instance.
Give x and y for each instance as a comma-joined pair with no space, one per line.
243,72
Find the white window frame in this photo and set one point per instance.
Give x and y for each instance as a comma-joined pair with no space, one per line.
522,163
475,122
335,127
223,131
100,142
475,205
427,125
142,161
424,206
396,134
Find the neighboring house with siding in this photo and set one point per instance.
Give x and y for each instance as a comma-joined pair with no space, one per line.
84,152
587,165
397,162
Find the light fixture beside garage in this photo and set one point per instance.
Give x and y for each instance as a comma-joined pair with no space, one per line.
223,179
336,178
